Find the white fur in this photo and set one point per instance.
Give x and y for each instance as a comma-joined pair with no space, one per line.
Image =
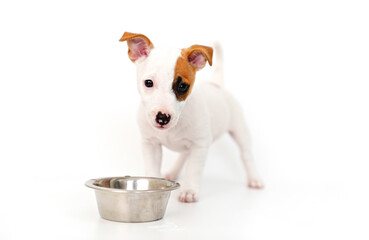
207,113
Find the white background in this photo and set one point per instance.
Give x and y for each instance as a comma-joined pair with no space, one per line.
68,101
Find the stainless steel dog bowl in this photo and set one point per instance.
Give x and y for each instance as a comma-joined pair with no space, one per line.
132,199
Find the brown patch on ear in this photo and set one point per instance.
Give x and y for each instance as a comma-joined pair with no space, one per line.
138,45
197,55
127,35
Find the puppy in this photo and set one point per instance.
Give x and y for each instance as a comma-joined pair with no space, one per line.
181,116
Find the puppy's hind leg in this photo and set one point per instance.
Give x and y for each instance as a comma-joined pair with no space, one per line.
240,134
178,165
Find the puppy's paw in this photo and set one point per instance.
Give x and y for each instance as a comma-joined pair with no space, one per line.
255,182
188,196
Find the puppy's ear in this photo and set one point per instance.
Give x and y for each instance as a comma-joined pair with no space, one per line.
197,55
138,45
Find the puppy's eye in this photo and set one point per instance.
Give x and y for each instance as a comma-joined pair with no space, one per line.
149,83
183,87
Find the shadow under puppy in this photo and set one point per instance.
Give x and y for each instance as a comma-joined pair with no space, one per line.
184,118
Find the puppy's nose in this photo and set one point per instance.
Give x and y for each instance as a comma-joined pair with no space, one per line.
162,119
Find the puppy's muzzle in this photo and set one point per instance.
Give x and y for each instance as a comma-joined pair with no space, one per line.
162,119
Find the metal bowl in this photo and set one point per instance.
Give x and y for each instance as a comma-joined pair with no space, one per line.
132,199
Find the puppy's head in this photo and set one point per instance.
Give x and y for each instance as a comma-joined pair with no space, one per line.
165,77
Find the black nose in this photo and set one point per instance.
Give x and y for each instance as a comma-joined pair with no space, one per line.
162,119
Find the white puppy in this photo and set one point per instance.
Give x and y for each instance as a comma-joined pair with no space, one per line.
183,117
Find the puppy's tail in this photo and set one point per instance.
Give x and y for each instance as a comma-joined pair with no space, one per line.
217,75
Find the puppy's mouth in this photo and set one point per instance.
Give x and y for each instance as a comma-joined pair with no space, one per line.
161,127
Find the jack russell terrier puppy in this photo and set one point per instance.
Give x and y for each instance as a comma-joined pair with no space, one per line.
183,117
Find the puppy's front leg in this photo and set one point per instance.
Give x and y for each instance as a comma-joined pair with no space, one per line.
193,174
152,154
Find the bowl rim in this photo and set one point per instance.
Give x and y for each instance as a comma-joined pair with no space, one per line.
90,184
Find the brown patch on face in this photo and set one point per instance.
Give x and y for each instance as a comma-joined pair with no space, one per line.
184,73
187,64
